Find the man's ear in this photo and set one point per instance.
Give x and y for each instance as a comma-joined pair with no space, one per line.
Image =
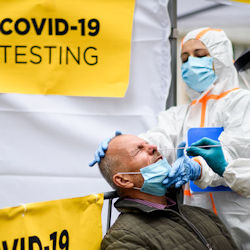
122,181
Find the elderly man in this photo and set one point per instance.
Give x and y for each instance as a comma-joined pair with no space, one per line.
149,219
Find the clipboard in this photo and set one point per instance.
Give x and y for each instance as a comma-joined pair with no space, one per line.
195,134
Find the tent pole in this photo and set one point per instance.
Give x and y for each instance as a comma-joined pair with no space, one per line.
172,10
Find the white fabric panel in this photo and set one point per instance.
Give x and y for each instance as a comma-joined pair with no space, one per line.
226,17
46,142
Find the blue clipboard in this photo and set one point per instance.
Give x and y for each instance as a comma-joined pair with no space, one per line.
195,134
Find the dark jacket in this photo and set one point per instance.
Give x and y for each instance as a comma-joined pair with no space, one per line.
181,227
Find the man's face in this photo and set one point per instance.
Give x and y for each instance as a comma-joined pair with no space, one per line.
135,153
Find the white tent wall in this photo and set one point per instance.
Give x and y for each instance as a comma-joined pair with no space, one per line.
47,141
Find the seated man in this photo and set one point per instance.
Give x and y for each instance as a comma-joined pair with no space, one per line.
149,219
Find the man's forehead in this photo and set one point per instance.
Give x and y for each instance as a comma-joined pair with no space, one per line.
124,142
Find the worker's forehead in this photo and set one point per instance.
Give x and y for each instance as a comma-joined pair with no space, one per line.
193,44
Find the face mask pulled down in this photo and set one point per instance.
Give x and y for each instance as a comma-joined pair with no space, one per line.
153,176
198,73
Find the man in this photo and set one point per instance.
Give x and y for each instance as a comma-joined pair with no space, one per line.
149,219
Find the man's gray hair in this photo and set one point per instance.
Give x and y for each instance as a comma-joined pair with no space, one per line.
109,166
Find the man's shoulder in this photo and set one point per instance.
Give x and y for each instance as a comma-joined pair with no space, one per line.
128,221
126,230
141,222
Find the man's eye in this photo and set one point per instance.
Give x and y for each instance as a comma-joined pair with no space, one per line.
137,150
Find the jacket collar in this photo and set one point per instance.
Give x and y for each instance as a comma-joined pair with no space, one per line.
124,205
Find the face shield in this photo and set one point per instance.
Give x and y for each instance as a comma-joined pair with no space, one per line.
245,76
242,65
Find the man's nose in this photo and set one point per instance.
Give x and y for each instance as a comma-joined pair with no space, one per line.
151,148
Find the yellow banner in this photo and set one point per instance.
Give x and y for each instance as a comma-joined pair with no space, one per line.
62,224
62,47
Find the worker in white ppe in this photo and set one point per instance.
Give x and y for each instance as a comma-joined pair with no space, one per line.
216,101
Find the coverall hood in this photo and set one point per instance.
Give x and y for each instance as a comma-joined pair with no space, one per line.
220,48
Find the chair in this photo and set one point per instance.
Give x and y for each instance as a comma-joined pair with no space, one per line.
110,196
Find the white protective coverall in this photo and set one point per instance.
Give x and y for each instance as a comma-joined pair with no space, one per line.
239,185
222,105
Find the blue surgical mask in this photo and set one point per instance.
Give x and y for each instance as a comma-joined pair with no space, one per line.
153,175
198,73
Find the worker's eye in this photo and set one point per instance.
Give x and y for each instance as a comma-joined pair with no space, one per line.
201,56
184,58
201,53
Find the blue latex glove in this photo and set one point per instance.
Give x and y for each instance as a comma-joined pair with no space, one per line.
180,152
183,170
102,148
213,155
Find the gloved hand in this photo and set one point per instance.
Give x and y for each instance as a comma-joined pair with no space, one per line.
102,148
213,155
183,170
180,150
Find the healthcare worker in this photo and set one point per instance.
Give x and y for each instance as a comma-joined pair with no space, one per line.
216,101
231,172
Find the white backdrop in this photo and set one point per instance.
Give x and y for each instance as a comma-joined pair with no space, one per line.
233,17
46,142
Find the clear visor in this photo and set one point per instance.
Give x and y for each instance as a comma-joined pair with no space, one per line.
245,76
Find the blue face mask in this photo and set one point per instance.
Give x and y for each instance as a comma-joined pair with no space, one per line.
198,73
153,175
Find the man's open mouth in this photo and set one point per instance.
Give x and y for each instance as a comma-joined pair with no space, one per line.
158,158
